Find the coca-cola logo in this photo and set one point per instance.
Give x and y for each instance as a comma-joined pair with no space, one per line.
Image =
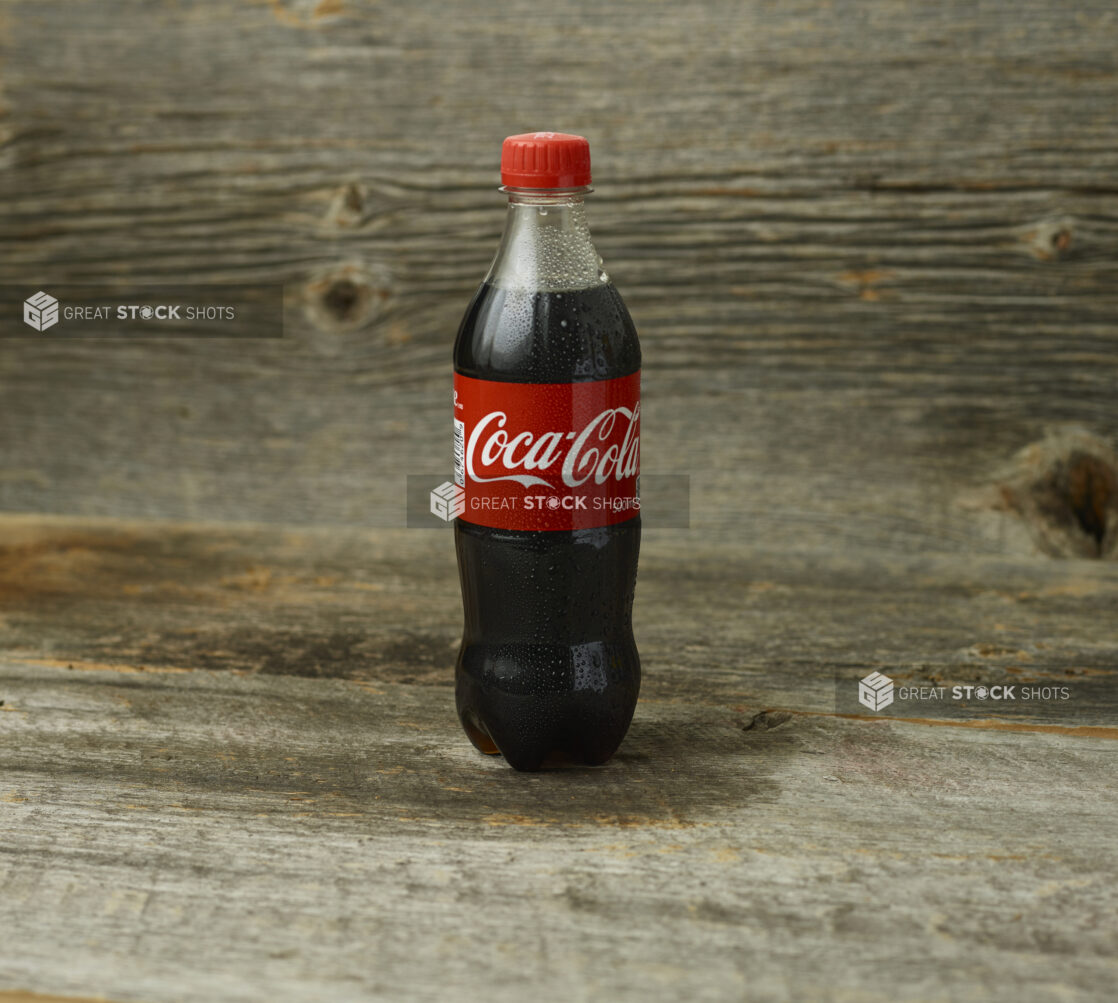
607,446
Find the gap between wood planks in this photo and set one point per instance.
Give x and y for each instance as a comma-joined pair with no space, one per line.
22,996
984,724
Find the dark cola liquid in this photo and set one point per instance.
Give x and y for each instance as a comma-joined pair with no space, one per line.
548,672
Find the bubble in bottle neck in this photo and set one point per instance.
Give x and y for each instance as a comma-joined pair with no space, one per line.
547,248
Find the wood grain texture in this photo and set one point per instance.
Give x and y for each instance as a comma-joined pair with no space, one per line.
715,621
871,248
210,836
239,745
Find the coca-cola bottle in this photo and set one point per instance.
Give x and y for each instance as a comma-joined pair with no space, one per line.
547,450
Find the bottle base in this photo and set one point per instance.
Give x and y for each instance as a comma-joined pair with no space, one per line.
479,738
557,759
580,734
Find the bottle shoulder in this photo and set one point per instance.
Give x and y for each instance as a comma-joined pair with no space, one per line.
528,336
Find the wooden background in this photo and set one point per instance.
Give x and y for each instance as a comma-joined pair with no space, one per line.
872,248
872,251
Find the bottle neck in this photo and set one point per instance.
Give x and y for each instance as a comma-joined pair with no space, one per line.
546,246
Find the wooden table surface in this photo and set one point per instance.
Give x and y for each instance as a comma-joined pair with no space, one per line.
230,768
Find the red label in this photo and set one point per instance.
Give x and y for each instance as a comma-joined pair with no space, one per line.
548,456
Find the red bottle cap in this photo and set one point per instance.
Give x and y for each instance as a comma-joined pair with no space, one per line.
545,160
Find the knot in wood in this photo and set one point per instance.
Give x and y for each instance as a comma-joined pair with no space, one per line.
346,298
1065,488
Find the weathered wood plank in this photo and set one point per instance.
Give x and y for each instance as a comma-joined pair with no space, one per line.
209,836
239,744
715,621
879,241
